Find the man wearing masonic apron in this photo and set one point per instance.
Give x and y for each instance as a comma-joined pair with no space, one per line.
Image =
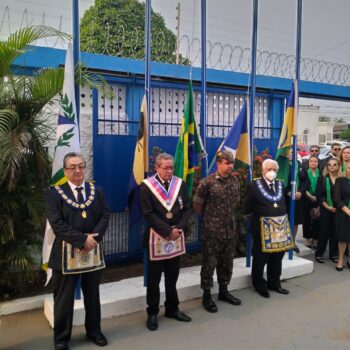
79,216
265,213
166,207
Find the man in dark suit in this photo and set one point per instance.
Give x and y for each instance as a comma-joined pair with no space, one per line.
314,151
335,153
265,198
166,207
78,215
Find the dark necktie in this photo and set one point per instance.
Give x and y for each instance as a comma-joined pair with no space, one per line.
166,185
272,188
80,195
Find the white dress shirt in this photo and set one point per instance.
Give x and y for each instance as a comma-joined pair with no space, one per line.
75,192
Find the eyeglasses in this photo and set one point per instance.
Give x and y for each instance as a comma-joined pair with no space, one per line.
73,167
314,150
167,168
336,149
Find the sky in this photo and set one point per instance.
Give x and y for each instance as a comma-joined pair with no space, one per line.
325,26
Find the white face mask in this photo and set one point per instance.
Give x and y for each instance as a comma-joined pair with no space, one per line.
271,175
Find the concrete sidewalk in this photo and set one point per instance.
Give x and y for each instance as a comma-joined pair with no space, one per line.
315,316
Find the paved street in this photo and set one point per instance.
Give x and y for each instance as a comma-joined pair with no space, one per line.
315,316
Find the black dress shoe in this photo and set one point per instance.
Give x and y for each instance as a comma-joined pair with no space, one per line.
339,268
152,322
179,316
280,290
208,303
229,298
99,340
61,346
263,293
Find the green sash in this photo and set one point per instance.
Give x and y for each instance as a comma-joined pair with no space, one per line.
328,192
313,180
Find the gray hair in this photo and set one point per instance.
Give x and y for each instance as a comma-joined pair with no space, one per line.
72,155
163,156
267,162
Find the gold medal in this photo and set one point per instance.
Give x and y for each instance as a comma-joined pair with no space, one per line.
169,215
83,214
275,205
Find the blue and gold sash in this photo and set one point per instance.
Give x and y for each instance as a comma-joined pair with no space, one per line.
271,198
90,197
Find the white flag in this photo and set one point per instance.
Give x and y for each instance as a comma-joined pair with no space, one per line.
67,140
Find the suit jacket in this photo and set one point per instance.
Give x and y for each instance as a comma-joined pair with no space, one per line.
154,212
302,180
69,225
259,206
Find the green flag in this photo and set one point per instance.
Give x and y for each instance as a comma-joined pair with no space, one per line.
189,147
285,142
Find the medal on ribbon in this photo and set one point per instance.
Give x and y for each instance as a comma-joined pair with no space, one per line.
90,198
271,198
166,198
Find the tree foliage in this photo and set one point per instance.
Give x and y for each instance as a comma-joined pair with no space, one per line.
324,118
117,28
24,163
345,135
25,167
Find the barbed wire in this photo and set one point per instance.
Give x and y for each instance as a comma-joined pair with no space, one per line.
221,56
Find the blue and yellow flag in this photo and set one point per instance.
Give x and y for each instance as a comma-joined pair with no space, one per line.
285,142
140,167
189,147
237,141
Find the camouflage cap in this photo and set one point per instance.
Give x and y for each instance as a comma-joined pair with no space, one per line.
221,155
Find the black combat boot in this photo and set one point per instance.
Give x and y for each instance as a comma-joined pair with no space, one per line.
224,295
208,303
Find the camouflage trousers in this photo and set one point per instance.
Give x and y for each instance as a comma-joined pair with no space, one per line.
217,253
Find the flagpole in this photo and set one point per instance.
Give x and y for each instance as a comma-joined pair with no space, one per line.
251,110
203,116
76,60
76,51
148,100
296,110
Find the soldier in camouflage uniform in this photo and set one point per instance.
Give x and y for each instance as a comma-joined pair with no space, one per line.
215,200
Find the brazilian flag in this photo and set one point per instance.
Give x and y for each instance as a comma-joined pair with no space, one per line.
189,148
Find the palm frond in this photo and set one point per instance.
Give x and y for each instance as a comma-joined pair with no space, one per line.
14,149
85,78
45,85
9,119
19,40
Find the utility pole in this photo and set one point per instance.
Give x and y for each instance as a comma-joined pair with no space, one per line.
177,33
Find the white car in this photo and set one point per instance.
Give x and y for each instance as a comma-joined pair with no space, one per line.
324,153
341,143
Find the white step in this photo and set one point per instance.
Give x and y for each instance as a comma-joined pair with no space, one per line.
129,295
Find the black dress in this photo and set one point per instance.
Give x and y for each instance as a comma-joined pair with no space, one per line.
342,198
327,219
311,227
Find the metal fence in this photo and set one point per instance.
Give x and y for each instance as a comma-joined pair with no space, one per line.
117,119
